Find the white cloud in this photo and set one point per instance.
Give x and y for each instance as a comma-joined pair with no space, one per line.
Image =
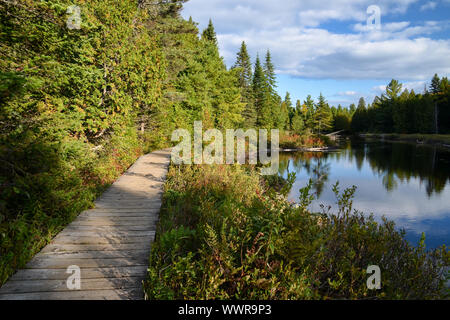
318,53
347,93
262,14
300,47
417,86
429,6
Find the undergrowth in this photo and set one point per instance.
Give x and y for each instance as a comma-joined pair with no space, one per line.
225,233
47,187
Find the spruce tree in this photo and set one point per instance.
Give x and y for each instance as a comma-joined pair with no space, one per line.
362,103
359,120
244,64
435,86
323,115
393,89
209,34
352,109
282,116
269,70
243,68
259,88
290,110
310,118
298,125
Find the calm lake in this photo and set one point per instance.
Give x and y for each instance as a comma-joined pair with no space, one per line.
407,183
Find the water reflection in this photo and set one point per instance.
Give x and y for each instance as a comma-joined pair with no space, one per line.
408,183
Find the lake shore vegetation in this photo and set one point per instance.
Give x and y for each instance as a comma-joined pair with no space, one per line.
227,233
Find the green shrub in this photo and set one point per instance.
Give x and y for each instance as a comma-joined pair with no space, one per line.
42,195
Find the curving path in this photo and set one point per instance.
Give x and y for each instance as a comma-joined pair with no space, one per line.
110,244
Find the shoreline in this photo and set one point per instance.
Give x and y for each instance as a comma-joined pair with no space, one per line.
320,149
419,139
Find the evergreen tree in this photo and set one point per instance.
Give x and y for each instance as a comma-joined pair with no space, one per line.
243,68
290,109
283,120
393,89
269,71
299,108
259,93
352,109
310,114
360,118
298,125
435,86
244,64
209,34
323,115
362,103
272,101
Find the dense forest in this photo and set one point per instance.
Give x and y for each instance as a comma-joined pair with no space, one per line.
405,111
79,105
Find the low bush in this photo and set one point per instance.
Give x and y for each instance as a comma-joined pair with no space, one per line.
295,141
44,186
226,234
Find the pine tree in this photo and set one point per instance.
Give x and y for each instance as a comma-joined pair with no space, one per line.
310,118
352,109
359,121
290,110
323,115
393,89
299,107
269,70
435,86
272,99
282,116
298,125
209,34
243,67
288,101
259,92
362,103
244,64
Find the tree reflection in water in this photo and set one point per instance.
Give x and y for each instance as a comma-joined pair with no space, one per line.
314,163
393,163
407,183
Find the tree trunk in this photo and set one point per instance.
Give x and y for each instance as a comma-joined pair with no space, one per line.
436,116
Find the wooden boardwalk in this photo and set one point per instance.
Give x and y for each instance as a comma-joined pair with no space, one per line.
110,243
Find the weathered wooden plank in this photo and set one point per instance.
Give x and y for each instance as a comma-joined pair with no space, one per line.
86,273
117,294
153,190
100,240
124,214
119,210
107,228
127,204
43,263
94,254
111,233
108,222
138,220
30,286
59,247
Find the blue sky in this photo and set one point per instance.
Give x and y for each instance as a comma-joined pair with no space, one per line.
325,46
